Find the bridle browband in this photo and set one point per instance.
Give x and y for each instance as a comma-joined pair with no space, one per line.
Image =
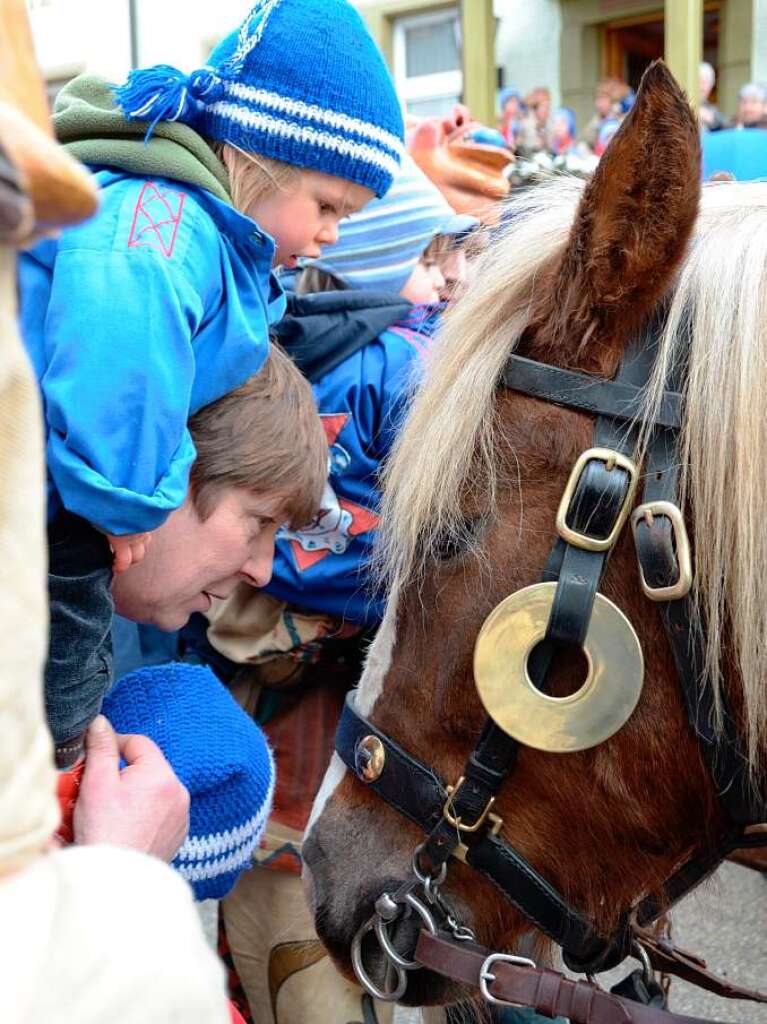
597,501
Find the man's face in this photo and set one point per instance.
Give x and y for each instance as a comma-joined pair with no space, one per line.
188,561
750,110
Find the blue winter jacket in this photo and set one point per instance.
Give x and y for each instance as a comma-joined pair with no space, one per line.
361,401
135,320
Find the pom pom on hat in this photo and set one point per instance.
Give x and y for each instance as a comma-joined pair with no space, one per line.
300,81
218,753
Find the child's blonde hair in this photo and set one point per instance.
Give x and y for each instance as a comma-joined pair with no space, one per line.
251,176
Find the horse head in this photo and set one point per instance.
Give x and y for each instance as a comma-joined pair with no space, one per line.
472,491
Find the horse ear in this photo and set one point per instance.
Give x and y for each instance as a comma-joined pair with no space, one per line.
629,233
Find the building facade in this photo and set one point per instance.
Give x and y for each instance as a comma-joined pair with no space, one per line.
437,49
566,45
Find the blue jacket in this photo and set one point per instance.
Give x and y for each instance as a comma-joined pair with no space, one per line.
135,320
361,403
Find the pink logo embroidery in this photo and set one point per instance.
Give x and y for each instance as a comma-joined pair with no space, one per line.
156,219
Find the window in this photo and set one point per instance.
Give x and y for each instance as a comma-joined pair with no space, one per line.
427,61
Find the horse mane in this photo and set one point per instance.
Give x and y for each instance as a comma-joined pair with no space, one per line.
718,309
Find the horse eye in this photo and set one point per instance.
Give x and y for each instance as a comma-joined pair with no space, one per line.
456,542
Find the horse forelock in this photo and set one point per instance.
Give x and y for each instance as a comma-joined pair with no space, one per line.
718,308
453,415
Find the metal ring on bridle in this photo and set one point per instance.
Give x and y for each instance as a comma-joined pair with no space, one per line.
386,943
363,977
640,953
423,878
601,706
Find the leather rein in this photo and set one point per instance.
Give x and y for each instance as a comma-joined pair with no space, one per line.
458,819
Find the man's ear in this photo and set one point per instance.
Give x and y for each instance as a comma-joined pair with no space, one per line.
629,234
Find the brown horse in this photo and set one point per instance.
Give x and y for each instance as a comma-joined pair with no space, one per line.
469,518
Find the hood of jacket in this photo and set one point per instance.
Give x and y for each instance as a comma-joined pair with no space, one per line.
94,130
319,331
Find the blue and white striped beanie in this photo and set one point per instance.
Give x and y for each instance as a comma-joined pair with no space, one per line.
300,81
378,247
219,754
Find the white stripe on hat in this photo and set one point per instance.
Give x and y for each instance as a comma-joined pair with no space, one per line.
218,843
256,21
306,134
211,869
311,112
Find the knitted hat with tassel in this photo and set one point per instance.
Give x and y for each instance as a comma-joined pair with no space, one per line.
300,81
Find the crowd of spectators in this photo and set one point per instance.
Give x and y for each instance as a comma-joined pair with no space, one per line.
531,125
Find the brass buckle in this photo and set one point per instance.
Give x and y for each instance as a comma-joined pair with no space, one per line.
681,588
495,821
611,459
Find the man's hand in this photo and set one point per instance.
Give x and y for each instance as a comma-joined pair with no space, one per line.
144,806
128,549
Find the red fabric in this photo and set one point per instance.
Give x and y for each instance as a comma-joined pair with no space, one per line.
67,788
237,1017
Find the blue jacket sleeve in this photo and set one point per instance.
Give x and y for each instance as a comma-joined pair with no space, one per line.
120,369
392,367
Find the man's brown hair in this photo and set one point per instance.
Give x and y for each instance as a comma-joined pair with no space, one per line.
265,436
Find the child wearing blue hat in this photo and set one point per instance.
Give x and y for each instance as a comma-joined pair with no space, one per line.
161,304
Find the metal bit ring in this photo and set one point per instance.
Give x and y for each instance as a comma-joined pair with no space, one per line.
386,943
390,996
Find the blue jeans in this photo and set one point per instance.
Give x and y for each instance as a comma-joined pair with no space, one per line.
79,668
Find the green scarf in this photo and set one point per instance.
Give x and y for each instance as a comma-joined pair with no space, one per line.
94,130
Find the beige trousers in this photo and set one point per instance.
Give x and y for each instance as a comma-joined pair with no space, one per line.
284,969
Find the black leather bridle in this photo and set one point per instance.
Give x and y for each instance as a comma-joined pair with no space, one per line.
458,820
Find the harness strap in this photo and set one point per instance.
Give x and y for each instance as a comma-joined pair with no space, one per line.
671,959
617,398
419,794
507,981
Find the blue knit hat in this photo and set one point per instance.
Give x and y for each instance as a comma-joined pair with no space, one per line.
300,81
378,247
218,753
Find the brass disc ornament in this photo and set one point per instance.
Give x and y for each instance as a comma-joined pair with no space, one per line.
602,705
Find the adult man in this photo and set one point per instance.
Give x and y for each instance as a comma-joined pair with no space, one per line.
711,117
752,106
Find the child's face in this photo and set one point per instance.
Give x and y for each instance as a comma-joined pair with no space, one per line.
425,283
305,218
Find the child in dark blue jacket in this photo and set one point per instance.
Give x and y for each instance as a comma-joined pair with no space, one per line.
162,303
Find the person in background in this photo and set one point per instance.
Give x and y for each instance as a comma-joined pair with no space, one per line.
562,138
513,111
207,181
711,117
533,135
752,106
608,128
359,325
608,98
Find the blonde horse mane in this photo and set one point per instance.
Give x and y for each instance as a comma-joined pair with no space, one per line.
718,310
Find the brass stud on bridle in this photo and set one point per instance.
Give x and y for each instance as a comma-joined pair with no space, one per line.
369,758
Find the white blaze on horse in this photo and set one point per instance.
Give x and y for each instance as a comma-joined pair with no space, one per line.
624,319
